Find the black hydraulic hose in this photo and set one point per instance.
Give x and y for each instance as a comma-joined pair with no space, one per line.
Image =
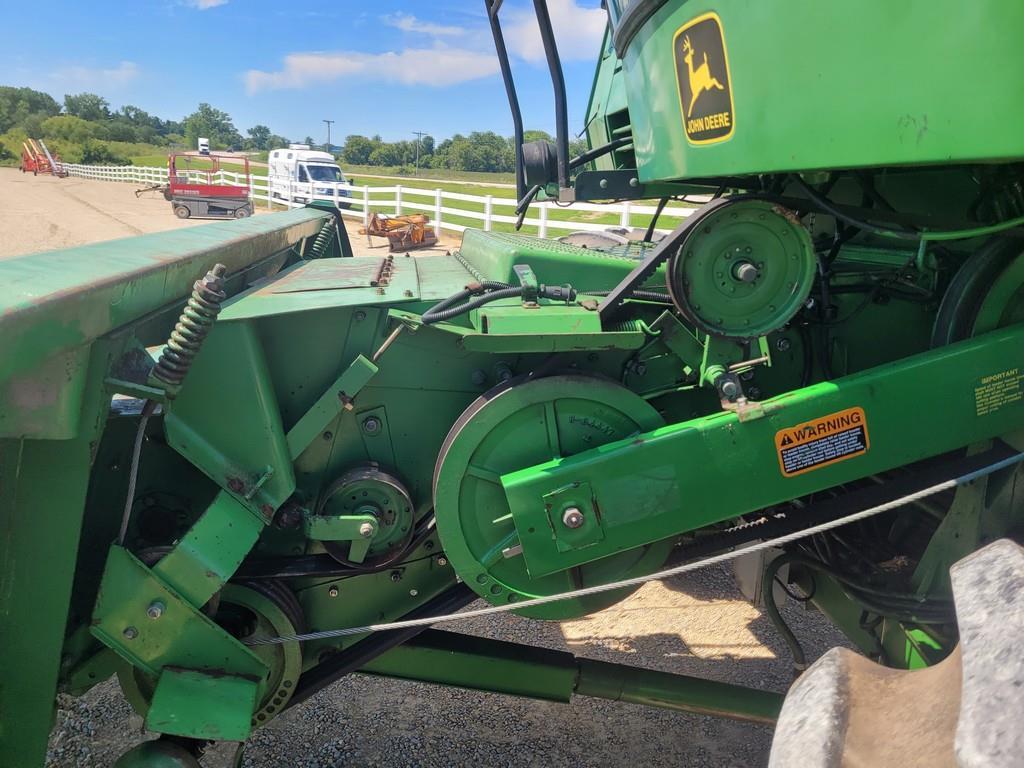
597,152
654,220
445,311
770,573
663,298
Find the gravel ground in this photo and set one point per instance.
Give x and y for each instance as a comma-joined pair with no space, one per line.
40,213
696,624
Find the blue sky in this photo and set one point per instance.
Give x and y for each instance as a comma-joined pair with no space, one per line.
387,66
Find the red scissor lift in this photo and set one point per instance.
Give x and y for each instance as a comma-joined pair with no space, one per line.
192,191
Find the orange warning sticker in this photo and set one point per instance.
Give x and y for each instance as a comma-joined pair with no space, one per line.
824,441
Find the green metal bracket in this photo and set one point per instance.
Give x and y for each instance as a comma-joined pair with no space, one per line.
359,529
152,626
573,517
338,397
717,467
528,281
202,706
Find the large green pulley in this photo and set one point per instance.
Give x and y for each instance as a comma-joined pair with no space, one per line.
743,271
517,425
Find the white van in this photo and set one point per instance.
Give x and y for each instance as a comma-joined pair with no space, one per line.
299,173
203,146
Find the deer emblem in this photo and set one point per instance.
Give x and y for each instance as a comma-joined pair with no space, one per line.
700,78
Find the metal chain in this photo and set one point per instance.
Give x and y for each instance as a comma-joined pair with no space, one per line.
675,571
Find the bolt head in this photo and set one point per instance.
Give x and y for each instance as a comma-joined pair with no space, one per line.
730,388
745,272
572,518
130,633
366,530
155,609
442,561
783,344
396,575
332,592
359,316
371,425
413,592
603,184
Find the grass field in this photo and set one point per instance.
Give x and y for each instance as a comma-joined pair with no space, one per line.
474,184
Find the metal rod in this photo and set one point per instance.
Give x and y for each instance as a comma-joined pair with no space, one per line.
558,83
510,89
387,343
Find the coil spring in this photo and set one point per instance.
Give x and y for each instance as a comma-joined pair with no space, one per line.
323,239
194,324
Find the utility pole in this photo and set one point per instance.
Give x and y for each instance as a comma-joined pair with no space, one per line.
419,135
329,123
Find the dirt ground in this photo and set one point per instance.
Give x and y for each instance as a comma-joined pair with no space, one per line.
41,213
696,625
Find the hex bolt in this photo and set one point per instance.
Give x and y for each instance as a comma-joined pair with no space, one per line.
478,377
783,344
359,316
572,518
442,561
371,425
413,592
366,530
332,592
745,272
730,388
603,184
747,375
396,576
155,609
130,633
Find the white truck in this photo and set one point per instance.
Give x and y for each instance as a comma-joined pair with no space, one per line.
301,174
204,146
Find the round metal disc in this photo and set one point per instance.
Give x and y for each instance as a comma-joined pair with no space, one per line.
367,490
265,609
514,426
744,271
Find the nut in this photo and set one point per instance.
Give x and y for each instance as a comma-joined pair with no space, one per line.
371,425
130,633
155,609
332,592
783,344
572,517
366,530
442,561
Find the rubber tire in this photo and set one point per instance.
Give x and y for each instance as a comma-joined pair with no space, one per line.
243,212
182,211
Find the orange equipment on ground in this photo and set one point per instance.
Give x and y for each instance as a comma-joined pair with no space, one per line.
36,157
404,233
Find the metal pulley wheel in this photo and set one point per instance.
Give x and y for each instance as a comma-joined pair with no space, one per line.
368,490
743,271
516,425
265,608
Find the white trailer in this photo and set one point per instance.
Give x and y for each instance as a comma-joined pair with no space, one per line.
204,146
301,174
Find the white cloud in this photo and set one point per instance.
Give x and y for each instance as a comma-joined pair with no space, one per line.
204,5
578,32
439,66
96,78
409,23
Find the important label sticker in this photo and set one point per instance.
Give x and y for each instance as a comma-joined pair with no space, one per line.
824,441
995,391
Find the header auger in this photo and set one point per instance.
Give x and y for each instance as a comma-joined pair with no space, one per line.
822,368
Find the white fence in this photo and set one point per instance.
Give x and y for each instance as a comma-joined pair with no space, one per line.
441,205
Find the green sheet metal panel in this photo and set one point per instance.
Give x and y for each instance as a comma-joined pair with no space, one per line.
833,85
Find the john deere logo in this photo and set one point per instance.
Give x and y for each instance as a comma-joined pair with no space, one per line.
702,68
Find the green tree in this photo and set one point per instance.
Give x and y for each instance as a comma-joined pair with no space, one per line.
259,135
357,150
16,104
277,142
71,128
88,106
213,124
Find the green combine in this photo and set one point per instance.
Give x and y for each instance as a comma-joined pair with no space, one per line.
237,464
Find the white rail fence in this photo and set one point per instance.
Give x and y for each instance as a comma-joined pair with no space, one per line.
441,205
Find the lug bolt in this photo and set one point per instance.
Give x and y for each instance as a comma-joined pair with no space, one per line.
371,425
155,609
572,518
783,344
130,633
332,592
366,530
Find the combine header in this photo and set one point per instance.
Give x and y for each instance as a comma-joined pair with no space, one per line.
35,157
237,464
